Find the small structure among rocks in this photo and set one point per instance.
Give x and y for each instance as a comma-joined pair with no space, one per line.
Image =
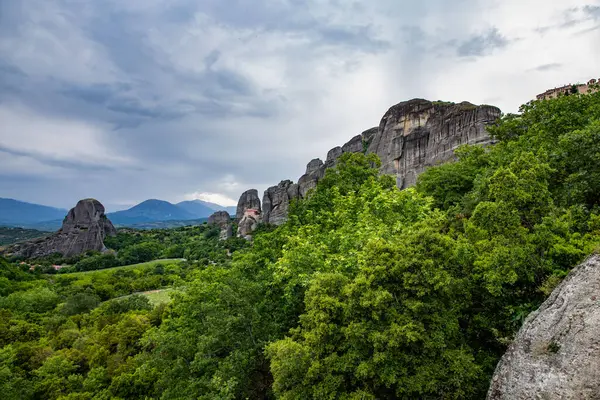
248,223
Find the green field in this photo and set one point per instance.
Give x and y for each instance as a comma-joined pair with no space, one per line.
131,266
158,296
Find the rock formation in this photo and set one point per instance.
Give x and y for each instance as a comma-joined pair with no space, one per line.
315,170
248,200
222,219
248,223
419,133
368,135
83,229
276,202
556,354
412,135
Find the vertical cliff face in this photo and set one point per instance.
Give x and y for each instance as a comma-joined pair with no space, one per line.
416,134
276,202
412,136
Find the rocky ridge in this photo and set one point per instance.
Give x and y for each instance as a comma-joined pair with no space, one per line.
83,229
411,136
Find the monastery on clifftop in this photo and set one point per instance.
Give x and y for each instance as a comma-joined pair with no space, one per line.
582,88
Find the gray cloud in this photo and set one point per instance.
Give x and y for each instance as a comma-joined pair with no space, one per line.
574,17
483,44
57,162
592,11
547,67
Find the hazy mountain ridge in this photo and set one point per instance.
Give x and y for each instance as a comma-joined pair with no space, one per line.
20,213
152,212
203,209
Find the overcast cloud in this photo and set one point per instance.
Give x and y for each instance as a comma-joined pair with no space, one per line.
174,99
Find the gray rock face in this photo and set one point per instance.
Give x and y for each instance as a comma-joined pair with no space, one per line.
419,133
83,229
556,354
332,156
313,166
315,170
368,135
276,202
248,200
248,223
355,145
223,220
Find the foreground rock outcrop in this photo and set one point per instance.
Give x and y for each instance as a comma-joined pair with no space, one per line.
411,136
222,219
556,354
83,229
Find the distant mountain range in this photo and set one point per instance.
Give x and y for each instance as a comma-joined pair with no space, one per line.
19,213
148,213
204,208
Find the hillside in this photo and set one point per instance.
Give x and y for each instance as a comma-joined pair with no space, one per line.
169,224
20,213
10,235
203,209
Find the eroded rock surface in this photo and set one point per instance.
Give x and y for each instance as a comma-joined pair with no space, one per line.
315,170
419,133
248,200
276,202
248,223
223,220
556,354
83,229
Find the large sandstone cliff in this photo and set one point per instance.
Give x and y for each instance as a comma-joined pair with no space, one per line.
411,136
556,354
416,134
83,229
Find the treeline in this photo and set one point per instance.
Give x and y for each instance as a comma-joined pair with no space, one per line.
367,292
132,246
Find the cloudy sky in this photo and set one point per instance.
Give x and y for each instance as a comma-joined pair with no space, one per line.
174,99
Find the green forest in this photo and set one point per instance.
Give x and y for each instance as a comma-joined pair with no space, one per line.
366,292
